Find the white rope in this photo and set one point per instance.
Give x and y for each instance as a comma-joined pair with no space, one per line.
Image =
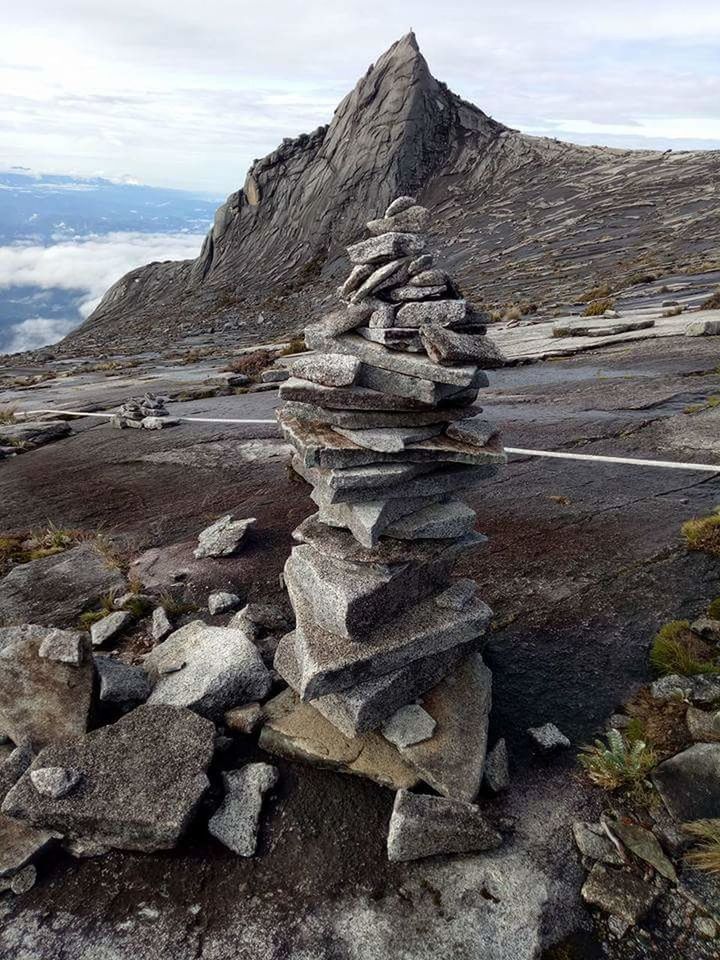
632,461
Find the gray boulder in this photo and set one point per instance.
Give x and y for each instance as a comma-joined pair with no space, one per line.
689,782
548,738
56,590
223,602
236,822
161,625
42,700
64,646
19,843
328,369
223,537
142,779
208,669
423,826
619,893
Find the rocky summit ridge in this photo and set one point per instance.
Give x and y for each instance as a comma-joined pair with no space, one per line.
511,212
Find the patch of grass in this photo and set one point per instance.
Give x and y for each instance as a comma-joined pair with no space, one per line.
703,533
251,363
676,649
139,607
176,608
713,611
89,617
598,307
601,292
706,853
296,345
712,302
7,414
617,764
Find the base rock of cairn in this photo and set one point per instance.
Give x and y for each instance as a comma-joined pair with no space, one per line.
383,426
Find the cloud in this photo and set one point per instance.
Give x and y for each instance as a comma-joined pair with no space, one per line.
182,94
35,332
86,266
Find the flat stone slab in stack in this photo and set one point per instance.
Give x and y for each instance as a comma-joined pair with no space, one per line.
383,427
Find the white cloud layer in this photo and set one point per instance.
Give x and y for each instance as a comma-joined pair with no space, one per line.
87,264
181,94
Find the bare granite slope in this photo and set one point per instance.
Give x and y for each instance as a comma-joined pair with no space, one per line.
521,217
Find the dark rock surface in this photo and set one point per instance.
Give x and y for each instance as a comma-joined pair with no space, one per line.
55,590
514,210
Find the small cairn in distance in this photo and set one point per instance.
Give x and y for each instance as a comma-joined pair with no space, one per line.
381,421
147,412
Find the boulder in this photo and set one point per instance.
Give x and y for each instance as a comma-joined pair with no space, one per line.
161,625
387,246
19,843
236,822
328,369
703,328
142,779
33,433
424,826
43,700
223,537
56,590
207,669
703,725
689,782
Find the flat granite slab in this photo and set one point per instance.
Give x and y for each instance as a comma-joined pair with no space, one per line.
329,663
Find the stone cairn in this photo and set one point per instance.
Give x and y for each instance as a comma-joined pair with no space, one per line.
147,412
381,421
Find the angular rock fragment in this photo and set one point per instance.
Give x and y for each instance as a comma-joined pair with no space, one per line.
64,646
296,730
161,625
425,826
619,893
236,822
438,521
408,725
223,537
387,246
110,626
244,719
703,725
548,738
592,841
122,684
475,430
443,312
19,842
55,782
42,700
389,439
142,779
223,602
496,773
207,669
644,844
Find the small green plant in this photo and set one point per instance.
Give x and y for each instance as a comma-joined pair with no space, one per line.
706,853
598,307
138,606
617,764
296,345
676,649
89,617
703,533
7,414
713,610
251,363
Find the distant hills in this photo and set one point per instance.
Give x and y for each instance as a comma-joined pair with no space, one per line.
43,208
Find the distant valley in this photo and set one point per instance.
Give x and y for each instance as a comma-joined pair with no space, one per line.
64,240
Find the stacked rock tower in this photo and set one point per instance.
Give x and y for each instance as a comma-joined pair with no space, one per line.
383,427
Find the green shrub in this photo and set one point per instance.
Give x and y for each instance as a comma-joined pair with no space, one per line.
676,649
713,610
703,533
617,764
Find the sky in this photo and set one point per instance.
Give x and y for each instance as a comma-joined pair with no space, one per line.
183,94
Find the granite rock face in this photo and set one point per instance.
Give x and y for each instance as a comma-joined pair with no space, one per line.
141,780
401,132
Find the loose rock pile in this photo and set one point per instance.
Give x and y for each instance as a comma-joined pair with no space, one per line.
147,412
383,427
